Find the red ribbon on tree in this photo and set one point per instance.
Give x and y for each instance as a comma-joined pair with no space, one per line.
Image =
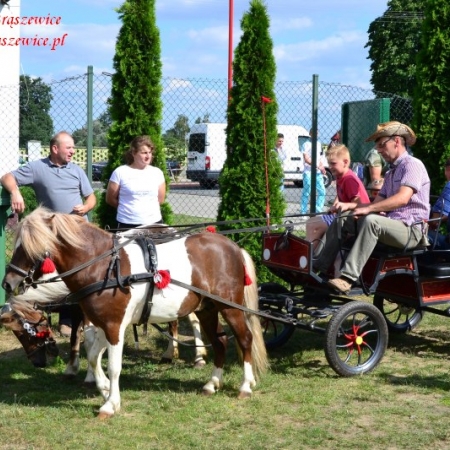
266,99
211,228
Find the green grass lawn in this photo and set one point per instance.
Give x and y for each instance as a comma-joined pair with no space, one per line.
300,403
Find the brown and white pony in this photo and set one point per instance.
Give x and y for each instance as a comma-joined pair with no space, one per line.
204,268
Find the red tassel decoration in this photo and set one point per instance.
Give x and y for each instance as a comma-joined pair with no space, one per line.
247,280
42,334
48,266
211,228
162,279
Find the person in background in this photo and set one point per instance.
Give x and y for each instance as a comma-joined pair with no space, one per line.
441,210
374,166
281,154
137,188
350,194
397,215
307,149
59,184
335,140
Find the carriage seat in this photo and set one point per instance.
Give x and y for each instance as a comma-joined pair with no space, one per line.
434,263
389,251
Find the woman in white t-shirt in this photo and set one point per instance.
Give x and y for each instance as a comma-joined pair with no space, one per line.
137,189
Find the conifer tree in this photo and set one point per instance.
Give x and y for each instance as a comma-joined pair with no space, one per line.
135,104
243,184
432,96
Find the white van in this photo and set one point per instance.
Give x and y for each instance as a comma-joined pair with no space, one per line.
207,153
294,137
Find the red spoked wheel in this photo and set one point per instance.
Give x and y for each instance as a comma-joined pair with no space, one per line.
356,339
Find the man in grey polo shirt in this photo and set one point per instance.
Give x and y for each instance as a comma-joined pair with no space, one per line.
58,184
397,215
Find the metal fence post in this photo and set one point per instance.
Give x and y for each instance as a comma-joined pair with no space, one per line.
90,125
5,203
315,101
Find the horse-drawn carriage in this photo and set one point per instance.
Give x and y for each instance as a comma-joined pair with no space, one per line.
211,275
404,285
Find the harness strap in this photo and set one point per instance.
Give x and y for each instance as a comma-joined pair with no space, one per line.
87,263
167,334
228,303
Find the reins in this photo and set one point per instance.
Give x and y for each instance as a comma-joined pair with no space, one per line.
82,266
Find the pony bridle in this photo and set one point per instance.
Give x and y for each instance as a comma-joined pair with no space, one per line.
28,277
29,327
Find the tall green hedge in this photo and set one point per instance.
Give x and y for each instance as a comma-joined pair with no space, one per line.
243,184
135,104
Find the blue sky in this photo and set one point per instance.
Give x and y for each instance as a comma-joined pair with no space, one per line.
324,37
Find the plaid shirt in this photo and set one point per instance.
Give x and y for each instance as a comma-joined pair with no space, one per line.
411,172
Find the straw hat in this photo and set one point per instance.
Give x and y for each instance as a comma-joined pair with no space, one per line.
393,129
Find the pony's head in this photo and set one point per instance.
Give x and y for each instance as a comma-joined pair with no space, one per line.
40,235
31,328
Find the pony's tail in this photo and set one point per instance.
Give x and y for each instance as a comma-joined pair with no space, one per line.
260,363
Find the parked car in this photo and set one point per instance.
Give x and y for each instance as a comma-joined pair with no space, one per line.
97,170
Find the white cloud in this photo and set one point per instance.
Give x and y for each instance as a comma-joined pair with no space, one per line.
176,84
209,36
315,49
299,23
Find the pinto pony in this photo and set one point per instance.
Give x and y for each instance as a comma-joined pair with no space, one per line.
107,274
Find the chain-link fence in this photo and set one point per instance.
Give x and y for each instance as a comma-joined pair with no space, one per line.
78,100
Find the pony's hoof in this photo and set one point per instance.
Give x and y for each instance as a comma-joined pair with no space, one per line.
244,395
207,393
104,416
199,364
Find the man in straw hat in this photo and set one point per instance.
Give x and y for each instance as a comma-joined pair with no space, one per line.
397,215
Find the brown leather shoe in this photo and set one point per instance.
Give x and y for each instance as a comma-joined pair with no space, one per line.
340,285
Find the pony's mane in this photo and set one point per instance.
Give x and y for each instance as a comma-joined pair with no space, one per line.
44,230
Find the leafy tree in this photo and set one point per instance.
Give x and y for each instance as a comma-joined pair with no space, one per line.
135,103
105,119
394,41
242,181
432,96
204,120
100,131
35,98
175,139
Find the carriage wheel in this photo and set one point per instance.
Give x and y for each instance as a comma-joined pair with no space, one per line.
355,339
275,333
399,318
